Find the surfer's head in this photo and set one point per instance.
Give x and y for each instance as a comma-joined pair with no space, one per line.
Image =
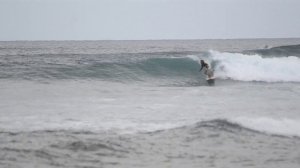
203,64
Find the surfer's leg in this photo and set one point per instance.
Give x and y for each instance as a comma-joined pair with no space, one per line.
210,73
206,72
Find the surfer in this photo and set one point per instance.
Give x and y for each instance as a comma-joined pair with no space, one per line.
207,70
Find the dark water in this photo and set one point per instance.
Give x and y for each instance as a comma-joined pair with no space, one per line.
215,143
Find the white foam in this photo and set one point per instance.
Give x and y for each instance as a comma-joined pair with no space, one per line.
256,68
284,126
193,57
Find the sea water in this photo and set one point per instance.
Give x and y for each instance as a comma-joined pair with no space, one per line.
145,104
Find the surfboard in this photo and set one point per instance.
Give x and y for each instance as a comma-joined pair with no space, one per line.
210,81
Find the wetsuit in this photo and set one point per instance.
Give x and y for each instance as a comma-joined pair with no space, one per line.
207,71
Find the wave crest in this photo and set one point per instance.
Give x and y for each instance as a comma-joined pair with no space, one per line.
290,50
263,125
243,67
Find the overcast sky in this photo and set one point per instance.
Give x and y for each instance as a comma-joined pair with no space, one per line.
148,19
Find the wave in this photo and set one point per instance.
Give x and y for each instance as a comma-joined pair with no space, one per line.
290,50
284,126
244,67
207,141
179,69
161,68
262,125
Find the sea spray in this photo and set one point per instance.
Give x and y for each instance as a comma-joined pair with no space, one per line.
243,67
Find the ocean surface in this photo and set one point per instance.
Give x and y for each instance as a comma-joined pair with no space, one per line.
136,104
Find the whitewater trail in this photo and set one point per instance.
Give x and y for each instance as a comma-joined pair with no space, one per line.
243,67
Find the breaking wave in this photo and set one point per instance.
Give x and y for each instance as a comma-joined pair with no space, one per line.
243,67
154,68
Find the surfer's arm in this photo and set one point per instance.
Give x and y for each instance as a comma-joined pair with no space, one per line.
201,68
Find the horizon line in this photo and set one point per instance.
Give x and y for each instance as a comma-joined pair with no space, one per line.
255,38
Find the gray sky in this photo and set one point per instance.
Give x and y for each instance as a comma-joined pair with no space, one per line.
148,19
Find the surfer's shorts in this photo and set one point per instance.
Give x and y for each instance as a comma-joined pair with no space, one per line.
209,73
